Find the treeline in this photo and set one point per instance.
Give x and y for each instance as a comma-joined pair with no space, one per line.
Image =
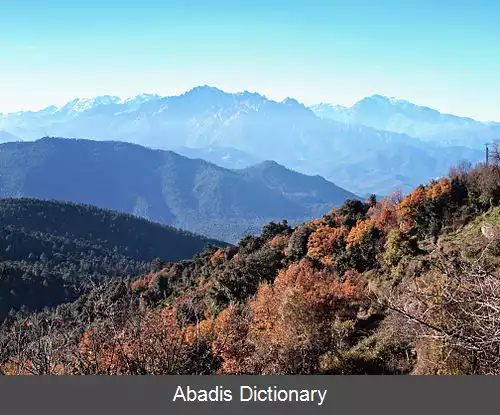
406,284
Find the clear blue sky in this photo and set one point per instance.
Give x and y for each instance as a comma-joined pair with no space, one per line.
440,53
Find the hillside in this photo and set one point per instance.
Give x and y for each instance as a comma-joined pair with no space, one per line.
249,125
48,249
158,185
315,191
402,285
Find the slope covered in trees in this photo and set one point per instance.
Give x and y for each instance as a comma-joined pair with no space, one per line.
406,284
159,185
49,248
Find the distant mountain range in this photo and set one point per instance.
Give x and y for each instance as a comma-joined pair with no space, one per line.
400,116
377,146
164,186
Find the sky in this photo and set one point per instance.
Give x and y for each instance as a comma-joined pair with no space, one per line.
443,54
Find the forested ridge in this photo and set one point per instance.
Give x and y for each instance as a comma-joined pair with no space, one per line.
49,249
164,186
409,284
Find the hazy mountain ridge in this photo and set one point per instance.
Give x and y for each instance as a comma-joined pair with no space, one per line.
6,137
401,116
159,185
360,158
226,157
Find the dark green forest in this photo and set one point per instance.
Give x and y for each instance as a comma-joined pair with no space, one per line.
50,250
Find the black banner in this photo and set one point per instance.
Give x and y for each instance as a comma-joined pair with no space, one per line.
248,394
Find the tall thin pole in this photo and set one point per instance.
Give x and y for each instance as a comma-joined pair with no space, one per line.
487,154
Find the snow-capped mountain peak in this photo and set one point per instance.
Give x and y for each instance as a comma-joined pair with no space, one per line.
384,100
139,99
290,101
204,90
87,103
50,109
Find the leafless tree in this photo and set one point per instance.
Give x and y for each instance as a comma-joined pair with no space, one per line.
458,304
494,157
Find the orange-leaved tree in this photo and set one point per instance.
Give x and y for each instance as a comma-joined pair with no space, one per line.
325,242
292,320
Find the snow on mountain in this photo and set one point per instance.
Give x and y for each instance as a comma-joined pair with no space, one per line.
138,100
79,105
401,116
363,148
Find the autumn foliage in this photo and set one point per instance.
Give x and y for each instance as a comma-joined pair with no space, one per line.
287,326
324,242
358,233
